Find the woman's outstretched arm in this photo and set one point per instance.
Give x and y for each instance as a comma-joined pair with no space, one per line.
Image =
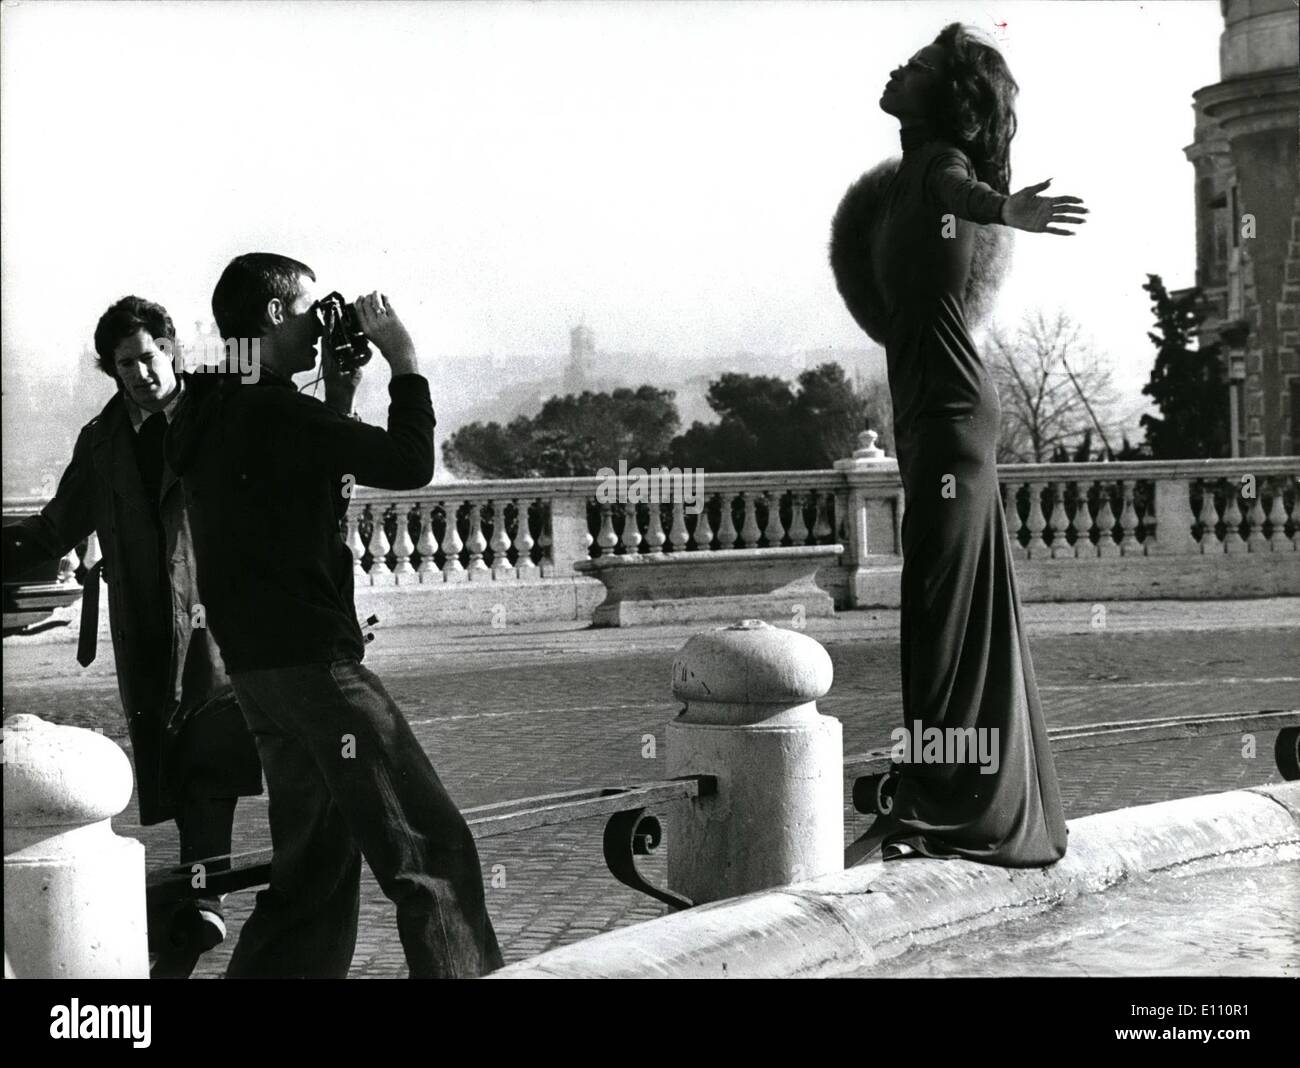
951,182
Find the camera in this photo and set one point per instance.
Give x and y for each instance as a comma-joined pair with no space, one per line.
341,333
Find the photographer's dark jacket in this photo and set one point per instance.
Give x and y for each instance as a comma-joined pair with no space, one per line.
168,670
268,474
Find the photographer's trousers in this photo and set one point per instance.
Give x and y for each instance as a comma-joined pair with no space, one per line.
347,778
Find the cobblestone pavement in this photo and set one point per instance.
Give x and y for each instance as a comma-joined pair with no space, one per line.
530,710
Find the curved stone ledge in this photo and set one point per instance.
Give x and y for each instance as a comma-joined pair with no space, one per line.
841,923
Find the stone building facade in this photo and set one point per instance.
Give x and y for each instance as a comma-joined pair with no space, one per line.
1248,218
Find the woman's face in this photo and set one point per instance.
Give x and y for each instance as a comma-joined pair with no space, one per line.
910,85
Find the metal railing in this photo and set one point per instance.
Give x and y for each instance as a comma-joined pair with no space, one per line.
632,830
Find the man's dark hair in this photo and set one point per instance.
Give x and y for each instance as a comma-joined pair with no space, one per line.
121,321
247,284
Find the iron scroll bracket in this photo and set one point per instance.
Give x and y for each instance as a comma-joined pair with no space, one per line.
634,833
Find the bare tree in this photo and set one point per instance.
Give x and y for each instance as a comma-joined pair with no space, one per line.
1056,392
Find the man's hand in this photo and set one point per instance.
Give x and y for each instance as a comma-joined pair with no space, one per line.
382,325
340,389
1026,210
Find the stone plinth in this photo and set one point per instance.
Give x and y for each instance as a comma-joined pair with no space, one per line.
775,584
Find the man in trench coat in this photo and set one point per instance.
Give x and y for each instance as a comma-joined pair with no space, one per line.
191,748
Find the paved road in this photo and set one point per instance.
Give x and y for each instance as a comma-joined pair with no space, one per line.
523,711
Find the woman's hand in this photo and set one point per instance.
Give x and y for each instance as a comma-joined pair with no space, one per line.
1026,210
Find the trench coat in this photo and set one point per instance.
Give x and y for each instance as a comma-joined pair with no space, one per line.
187,734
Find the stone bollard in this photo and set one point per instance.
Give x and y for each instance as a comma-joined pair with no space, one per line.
751,720
74,890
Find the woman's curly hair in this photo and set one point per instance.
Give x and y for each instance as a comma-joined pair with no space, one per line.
973,105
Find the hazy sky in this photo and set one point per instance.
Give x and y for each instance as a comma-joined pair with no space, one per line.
665,170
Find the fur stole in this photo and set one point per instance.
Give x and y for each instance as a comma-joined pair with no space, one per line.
850,255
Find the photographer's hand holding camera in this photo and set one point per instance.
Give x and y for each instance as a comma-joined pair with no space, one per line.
380,324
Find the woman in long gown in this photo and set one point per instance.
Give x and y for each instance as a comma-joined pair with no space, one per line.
965,658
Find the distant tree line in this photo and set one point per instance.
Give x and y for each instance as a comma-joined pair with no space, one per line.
765,424
1057,397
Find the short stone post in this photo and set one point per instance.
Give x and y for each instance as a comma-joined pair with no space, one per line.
751,720
569,535
874,490
74,890
1174,519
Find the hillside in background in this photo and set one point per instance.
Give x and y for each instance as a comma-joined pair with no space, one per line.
43,413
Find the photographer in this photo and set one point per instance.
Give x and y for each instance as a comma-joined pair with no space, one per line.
268,473
192,752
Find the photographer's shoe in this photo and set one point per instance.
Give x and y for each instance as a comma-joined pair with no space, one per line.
193,932
211,928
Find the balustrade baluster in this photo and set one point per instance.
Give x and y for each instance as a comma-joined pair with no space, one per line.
607,539
1232,539
726,525
500,543
1106,545
380,573
654,531
1060,542
1255,540
631,530
1277,517
703,536
677,536
1082,522
403,546
427,546
1011,514
772,530
798,523
544,539
354,543
1209,519
524,566
749,532
821,524
1037,522
452,568
839,522
476,544
1128,522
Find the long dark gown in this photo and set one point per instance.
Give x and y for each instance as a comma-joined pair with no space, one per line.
965,658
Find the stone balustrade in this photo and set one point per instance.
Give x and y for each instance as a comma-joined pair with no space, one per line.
566,522
1080,531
